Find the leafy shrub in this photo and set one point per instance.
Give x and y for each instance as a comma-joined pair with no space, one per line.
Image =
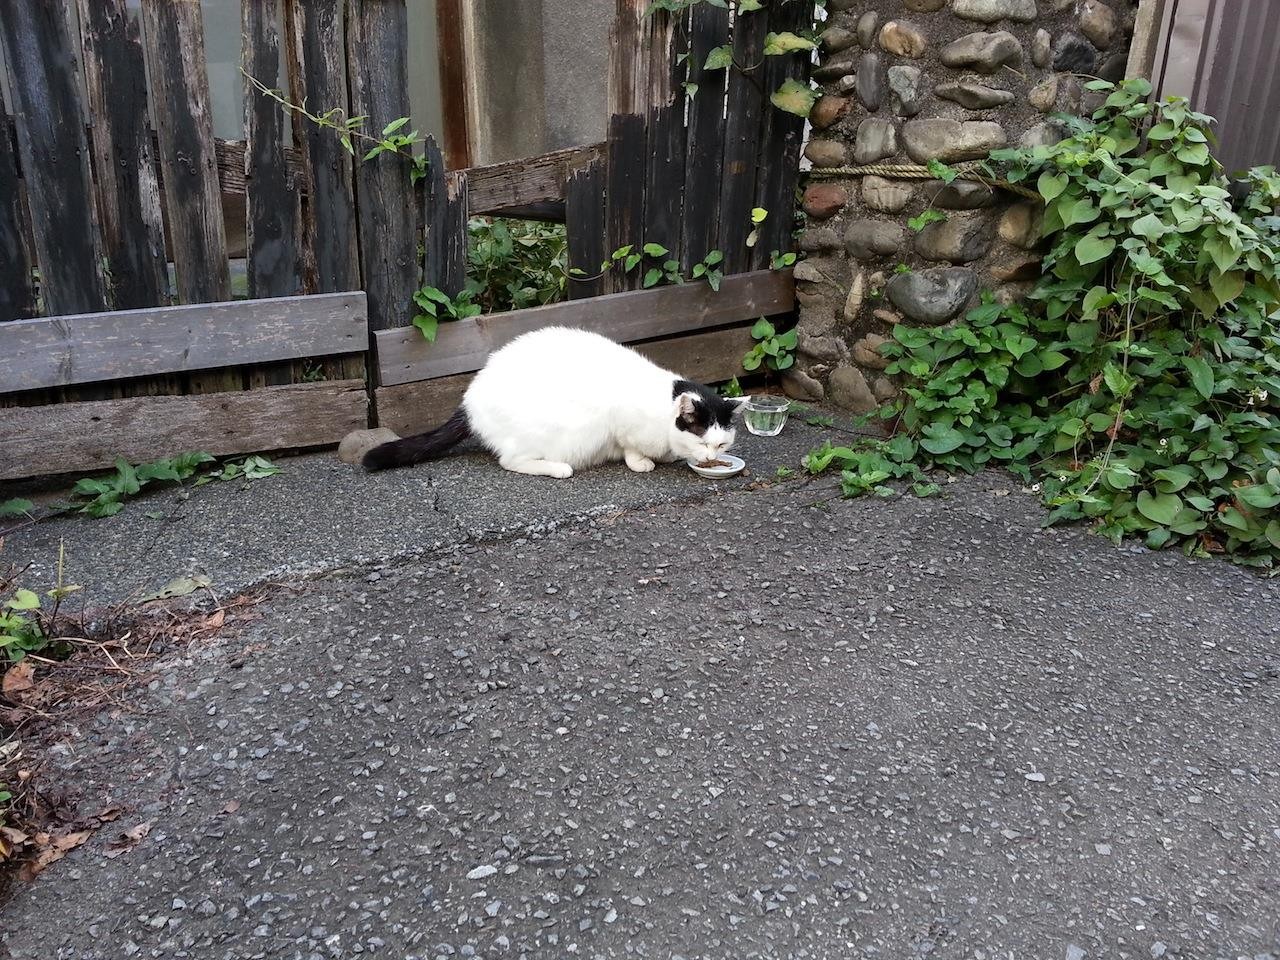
773,350
512,264
1139,387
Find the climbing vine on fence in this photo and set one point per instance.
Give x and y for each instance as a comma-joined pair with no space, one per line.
1139,387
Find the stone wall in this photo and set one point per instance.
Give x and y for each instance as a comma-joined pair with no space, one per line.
909,81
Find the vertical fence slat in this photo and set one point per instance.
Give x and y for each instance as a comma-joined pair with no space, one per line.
377,56
584,204
273,205
273,202
664,176
17,298
741,140
708,29
174,41
445,240
44,81
628,150
780,139
128,192
318,76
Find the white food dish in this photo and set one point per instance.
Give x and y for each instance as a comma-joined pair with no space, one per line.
736,466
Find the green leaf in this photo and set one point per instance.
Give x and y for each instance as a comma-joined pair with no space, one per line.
1052,185
393,126
23,600
927,217
651,277
942,171
794,97
719,58
748,6
758,214
427,325
762,329
1159,508
1259,496
1091,249
655,250
16,507
940,439
1227,286
777,44
1201,375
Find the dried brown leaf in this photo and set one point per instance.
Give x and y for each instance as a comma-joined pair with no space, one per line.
128,840
53,849
231,807
18,679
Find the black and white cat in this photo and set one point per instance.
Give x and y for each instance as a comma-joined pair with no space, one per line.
558,400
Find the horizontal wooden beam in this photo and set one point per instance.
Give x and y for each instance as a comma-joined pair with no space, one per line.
493,187
711,357
92,347
74,437
462,346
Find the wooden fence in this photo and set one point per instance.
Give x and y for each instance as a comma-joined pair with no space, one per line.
120,333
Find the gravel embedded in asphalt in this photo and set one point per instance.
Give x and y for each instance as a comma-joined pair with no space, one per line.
767,724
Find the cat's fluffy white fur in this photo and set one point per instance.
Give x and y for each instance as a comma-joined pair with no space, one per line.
557,400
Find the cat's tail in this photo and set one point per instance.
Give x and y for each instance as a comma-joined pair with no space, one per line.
425,446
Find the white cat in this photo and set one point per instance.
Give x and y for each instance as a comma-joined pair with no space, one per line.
557,400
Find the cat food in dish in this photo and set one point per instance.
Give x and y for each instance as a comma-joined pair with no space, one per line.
725,465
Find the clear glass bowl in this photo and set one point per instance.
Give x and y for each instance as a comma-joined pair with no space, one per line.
766,416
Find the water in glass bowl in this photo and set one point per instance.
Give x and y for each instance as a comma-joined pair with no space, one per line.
765,416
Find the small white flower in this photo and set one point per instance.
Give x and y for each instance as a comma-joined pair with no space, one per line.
1063,478
1035,488
1164,442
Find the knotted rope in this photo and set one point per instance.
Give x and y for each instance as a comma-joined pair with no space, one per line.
908,171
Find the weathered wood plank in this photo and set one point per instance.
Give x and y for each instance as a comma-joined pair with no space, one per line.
273,210
445,239
711,357
318,77
462,346
629,59
741,140
664,173
174,41
624,194
708,29
44,81
128,191
455,87
494,187
17,295
584,225
59,351
781,137
71,437
377,60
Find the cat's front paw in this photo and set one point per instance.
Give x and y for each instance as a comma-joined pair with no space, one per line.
638,463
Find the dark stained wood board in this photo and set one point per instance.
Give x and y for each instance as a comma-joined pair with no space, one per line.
124,158
44,81
73,437
60,351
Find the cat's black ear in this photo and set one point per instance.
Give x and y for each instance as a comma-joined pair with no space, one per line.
738,404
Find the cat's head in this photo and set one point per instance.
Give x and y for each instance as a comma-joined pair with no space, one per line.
701,421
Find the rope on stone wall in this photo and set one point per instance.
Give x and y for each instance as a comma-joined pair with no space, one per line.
907,171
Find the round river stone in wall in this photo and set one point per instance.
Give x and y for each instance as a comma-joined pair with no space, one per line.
1040,48
876,140
828,110
847,388
1074,54
989,11
932,296
958,195
835,39
973,96
961,238
872,239
951,140
904,84
1098,23
867,24
903,39
983,52
824,200
826,153
871,81
885,196
817,239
